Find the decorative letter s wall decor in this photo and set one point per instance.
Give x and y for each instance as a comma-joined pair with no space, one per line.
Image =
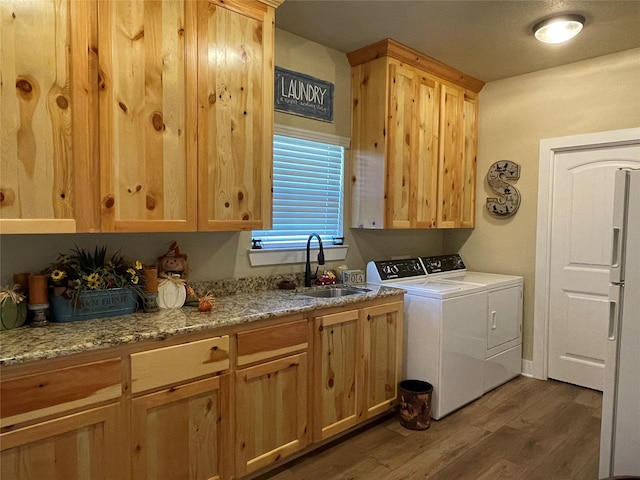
509,197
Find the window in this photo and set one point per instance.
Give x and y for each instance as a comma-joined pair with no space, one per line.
307,190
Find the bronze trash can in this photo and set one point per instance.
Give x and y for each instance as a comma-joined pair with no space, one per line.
415,404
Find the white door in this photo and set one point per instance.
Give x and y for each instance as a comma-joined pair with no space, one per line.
580,255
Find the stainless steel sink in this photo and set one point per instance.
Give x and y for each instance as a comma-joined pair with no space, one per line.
334,292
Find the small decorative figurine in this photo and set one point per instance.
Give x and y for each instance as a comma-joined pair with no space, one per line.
172,284
173,262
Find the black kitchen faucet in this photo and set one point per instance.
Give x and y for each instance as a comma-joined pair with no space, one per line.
307,270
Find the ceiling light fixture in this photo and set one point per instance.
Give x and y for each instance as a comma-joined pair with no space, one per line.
558,29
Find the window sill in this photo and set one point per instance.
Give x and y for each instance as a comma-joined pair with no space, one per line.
279,256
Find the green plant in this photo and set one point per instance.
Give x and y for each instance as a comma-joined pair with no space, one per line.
83,270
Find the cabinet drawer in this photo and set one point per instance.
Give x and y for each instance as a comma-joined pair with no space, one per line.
269,342
48,393
164,366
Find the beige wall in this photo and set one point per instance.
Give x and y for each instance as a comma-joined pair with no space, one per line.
515,114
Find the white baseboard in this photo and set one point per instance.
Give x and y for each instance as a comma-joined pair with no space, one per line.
527,368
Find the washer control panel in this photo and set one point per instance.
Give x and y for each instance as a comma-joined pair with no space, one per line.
443,264
397,269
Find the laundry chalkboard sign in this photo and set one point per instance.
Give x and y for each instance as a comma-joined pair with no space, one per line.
303,95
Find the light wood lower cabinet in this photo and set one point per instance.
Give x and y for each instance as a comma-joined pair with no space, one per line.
78,446
271,397
271,412
337,373
382,356
62,423
209,408
357,356
180,432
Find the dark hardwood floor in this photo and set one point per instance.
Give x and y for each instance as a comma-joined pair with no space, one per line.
524,430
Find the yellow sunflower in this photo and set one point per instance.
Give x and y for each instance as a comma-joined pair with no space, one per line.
58,275
93,281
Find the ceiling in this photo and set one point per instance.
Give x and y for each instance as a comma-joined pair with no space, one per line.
489,40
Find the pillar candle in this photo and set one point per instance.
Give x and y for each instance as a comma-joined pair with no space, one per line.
22,279
38,293
151,277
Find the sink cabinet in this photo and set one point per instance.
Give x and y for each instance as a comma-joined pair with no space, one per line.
414,140
338,374
357,364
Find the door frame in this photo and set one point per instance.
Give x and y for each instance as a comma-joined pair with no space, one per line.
546,166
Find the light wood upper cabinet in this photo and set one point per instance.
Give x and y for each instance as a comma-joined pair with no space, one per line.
136,115
457,158
47,128
147,85
235,114
414,137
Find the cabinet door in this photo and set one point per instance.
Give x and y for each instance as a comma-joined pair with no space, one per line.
47,125
424,184
457,158
271,412
402,153
147,115
235,114
413,146
79,446
369,143
450,175
181,432
338,373
382,356
469,160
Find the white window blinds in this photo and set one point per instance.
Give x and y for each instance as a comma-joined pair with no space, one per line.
307,192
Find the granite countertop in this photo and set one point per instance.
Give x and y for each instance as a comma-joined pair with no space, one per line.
26,344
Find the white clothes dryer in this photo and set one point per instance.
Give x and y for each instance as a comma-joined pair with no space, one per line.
503,355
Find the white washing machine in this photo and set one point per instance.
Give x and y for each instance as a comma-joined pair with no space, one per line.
462,330
503,355
444,332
